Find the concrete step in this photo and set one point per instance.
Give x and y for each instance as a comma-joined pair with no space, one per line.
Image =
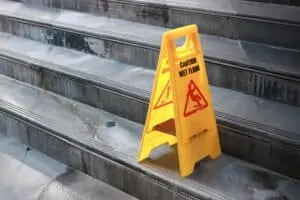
256,130
254,69
242,20
28,174
285,2
82,137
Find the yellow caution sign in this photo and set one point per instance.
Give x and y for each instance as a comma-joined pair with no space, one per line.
181,110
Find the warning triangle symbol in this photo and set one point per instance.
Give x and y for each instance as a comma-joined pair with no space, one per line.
195,100
165,97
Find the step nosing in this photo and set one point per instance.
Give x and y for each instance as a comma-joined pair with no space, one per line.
275,133
103,35
100,81
245,17
216,12
253,68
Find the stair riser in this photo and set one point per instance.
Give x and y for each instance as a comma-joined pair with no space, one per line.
287,2
258,83
248,144
100,167
231,26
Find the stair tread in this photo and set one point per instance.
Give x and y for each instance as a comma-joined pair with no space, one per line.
31,175
87,126
235,53
246,110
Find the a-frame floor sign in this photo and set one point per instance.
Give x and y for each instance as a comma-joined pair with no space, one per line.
180,110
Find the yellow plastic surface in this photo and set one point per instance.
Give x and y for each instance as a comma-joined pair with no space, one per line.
181,110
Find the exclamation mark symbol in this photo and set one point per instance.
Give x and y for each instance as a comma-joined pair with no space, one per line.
167,94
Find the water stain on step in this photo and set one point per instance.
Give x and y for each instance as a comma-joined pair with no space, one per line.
69,40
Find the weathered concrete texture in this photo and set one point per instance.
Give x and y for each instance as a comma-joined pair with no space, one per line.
95,45
28,174
287,2
261,71
79,136
260,124
255,83
224,18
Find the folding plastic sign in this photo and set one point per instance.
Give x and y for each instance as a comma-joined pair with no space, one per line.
181,103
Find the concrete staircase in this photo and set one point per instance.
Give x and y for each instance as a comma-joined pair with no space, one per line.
76,81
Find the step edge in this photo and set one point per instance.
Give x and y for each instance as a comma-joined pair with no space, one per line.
211,11
223,13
